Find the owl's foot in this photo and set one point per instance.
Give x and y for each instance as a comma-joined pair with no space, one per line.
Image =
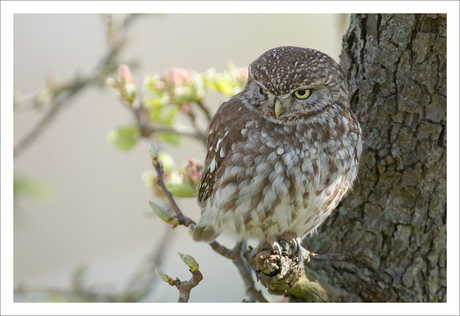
288,244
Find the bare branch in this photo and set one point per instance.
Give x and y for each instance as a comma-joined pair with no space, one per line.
183,220
148,129
204,109
143,280
139,286
285,275
48,117
243,268
235,254
103,67
184,287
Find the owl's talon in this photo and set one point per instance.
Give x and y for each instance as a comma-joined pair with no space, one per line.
287,245
277,248
293,247
284,245
291,244
299,257
297,245
271,244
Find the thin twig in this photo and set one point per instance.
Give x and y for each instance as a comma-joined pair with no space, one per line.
48,117
235,254
194,120
60,99
147,129
143,280
140,285
205,109
184,287
183,220
221,250
170,130
187,286
243,268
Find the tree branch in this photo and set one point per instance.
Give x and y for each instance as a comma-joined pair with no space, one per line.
147,129
184,287
143,280
284,275
140,285
235,254
243,268
182,219
56,105
204,109
104,66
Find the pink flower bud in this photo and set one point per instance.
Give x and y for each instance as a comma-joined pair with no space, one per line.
111,82
185,108
124,74
243,72
179,75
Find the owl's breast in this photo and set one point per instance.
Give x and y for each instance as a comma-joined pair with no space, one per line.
281,178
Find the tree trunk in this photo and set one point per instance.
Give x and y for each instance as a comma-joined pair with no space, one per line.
387,240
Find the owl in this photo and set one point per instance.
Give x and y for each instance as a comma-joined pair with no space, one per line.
281,153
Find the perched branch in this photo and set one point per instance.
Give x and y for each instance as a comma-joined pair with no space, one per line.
285,275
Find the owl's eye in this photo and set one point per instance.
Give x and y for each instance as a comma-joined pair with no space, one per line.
263,91
302,94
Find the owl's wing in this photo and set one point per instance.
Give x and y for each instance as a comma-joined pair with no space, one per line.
224,130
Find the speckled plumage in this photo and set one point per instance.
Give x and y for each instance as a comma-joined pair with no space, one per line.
268,173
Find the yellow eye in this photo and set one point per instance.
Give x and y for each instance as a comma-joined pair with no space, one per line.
302,94
263,91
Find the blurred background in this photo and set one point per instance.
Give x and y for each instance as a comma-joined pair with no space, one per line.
92,207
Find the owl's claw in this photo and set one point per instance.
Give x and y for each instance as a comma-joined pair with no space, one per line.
271,244
288,245
276,248
295,245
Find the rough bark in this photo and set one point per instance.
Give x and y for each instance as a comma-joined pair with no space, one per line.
387,240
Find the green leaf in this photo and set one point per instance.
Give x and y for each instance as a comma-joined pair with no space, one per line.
189,261
164,276
168,114
124,138
24,187
150,84
163,213
180,190
170,138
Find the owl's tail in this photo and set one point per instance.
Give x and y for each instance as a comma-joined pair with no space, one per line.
204,232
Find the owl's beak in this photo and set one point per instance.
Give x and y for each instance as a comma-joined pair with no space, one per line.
278,108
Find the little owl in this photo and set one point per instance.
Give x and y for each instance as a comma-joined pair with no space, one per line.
281,153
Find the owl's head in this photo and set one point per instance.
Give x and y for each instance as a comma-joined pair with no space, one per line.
289,83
